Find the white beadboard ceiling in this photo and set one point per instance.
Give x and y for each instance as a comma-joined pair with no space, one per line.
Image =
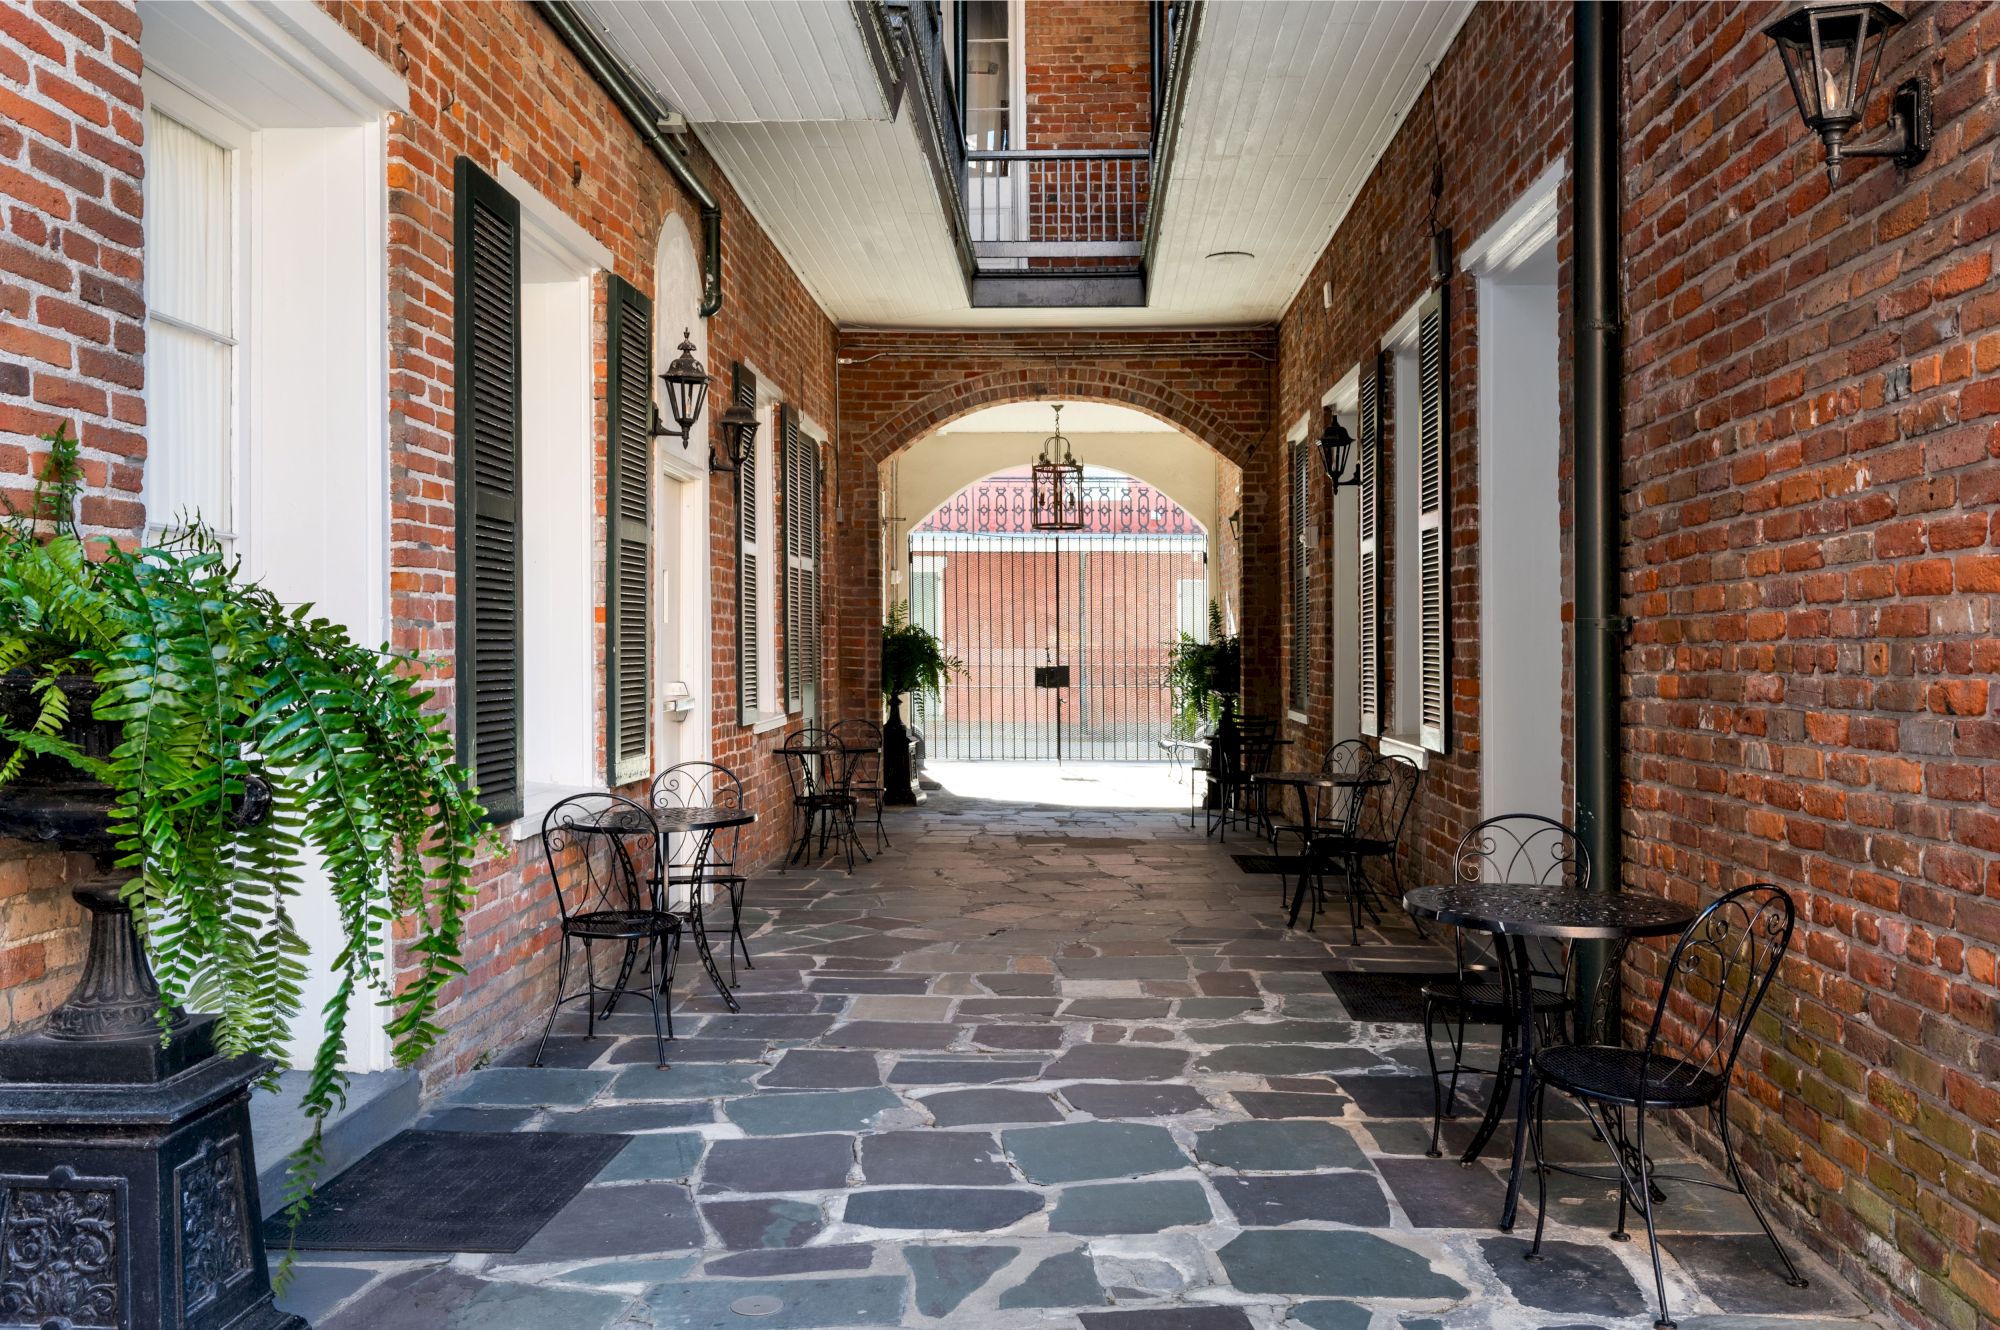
1288,105
729,62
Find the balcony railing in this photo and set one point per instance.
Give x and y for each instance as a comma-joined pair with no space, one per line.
1058,208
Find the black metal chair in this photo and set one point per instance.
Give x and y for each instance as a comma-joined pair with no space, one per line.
1373,834
603,896
816,766
1528,850
707,785
1714,981
1331,807
862,739
1233,769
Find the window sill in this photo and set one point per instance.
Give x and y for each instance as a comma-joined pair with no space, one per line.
765,724
536,801
1393,745
1297,717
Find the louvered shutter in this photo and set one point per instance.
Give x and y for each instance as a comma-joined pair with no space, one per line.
1301,681
802,635
1433,586
795,532
815,629
486,343
1368,571
628,602
749,689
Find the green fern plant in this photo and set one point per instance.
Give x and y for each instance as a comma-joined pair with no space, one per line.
1203,674
215,685
913,660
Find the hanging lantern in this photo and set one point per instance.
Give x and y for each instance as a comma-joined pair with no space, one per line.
1058,484
686,384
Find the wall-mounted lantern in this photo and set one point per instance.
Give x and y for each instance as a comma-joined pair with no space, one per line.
738,431
1832,53
686,384
1336,446
1058,484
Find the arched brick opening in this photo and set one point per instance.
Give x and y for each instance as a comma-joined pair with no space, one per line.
897,388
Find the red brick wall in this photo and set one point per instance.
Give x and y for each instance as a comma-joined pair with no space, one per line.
70,283
72,330
1378,264
468,66
897,386
1812,460
1089,73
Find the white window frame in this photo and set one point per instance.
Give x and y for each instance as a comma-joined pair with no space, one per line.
561,711
1302,530
1400,733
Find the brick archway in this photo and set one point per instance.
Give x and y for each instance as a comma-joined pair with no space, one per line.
1216,386
1080,383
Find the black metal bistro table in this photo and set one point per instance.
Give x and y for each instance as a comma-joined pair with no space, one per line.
812,759
1304,781
1513,914
702,823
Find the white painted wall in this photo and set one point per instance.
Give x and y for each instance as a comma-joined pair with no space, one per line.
682,627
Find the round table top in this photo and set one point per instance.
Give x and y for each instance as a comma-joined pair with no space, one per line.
701,819
1552,912
822,749
1324,779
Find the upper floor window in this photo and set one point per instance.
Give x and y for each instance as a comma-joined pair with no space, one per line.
985,54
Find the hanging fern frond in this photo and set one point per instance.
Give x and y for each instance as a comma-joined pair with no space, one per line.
219,687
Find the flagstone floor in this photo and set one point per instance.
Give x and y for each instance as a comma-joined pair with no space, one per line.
1038,1066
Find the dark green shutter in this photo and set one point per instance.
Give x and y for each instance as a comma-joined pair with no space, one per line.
749,692
1433,530
1369,570
628,340
487,450
796,519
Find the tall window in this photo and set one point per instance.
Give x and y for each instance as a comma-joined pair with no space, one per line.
985,76
192,326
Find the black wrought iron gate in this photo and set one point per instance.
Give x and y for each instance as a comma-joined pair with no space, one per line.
1064,635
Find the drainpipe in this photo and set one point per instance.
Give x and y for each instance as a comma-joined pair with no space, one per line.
1600,628
639,106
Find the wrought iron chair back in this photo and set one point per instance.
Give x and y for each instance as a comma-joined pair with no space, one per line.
862,739
1715,980
592,867
1381,811
1258,746
1345,758
1523,849
701,785
815,774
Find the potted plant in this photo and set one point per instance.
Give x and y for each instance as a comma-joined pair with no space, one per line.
203,739
913,661
1205,676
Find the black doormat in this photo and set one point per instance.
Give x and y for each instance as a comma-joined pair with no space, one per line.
1287,864
1384,996
450,1191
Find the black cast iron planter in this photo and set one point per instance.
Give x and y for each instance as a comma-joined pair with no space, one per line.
128,1190
898,785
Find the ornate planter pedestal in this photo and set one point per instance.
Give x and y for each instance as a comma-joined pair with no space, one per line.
128,1191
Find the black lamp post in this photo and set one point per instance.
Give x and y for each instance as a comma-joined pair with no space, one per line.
1832,53
739,431
1336,445
1058,484
686,384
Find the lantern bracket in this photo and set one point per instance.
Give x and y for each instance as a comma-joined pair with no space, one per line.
1907,137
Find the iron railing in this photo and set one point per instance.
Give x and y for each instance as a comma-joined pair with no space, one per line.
1080,207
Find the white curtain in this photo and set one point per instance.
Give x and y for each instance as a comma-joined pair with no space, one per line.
191,328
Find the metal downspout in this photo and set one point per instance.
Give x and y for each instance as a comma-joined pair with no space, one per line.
1600,628
637,104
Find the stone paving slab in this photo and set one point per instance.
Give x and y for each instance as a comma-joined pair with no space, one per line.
1044,1067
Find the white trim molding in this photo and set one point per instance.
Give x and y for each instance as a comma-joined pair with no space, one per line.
1522,231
